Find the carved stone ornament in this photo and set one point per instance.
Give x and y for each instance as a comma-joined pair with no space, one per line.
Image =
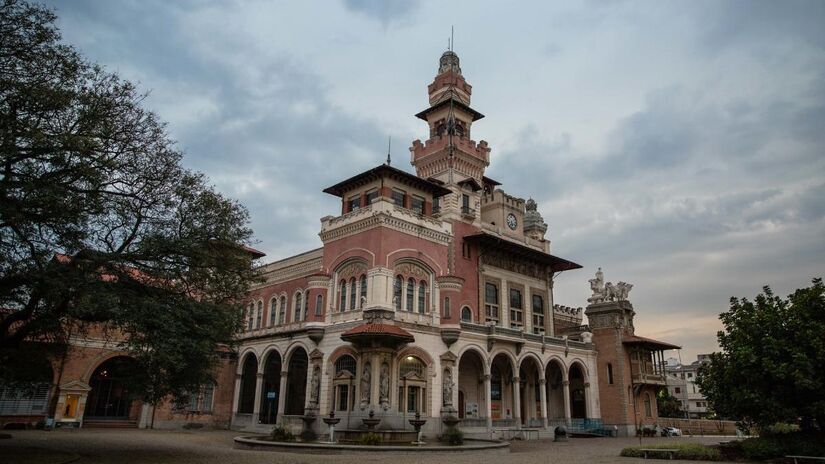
509,263
366,382
607,291
447,389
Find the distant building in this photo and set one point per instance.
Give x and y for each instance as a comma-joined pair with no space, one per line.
681,384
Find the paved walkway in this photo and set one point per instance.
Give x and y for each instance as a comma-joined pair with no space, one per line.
97,446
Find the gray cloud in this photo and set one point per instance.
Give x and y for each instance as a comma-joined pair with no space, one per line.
385,11
683,154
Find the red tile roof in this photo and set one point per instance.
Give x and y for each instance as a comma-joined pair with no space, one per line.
378,330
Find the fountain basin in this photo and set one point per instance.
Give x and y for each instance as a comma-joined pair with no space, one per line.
264,444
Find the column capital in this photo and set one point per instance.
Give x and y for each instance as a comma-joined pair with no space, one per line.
516,379
587,385
487,377
259,375
284,373
543,381
565,383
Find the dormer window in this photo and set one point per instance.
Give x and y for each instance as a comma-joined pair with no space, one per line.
418,204
398,197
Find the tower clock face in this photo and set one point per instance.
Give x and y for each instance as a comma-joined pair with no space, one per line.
512,222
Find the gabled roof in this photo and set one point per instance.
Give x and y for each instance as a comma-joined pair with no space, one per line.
386,170
494,241
456,104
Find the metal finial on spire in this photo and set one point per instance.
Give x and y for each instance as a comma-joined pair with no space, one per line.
452,38
389,148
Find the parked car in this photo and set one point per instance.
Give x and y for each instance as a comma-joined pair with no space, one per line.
671,432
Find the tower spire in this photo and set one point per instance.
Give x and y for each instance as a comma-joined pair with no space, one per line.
389,148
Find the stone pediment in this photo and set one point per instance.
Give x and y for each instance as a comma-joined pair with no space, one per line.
448,357
75,386
316,354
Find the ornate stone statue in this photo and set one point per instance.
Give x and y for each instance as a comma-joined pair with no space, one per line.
315,387
366,382
447,388
597,286
607,291
384,386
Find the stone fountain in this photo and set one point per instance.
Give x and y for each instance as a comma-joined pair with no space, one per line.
371,421
331,421
418,422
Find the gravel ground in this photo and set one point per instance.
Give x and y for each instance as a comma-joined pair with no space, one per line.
195,447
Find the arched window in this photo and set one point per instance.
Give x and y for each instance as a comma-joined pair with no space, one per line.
273,311
319,305
342,296
396,292
363,297
297,307
282,311
495,384
610,374
344,375
648,408
412,385
410,294
306,305
250,316
260,314
352,294
422,296
447,308
345,363
466,314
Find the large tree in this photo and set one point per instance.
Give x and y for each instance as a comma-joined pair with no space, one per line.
772,364
100,226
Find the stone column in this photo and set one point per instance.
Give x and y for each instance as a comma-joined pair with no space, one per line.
375,382
488,403
504,305
566,385
543,384
282,395
256,409
517,401
587,406
236,396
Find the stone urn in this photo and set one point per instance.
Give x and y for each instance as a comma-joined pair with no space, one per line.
418,422
331,421
372,421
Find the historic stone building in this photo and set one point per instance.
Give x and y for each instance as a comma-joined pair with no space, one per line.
432,294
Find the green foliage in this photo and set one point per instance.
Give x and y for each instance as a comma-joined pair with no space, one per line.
772,364
690,451
370,438
668,405
282,434
777,445
453,436
100,225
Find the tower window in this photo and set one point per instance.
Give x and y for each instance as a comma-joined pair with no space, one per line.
418,204
491,302
447,308
319,305
398,197
353,203
538,314
370,196
610,375
410,294
516,308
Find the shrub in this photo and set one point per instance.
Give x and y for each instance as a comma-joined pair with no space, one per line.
370,438
775,446
453,437
282,434
690,451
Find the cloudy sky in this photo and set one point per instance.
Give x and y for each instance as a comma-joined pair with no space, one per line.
678,145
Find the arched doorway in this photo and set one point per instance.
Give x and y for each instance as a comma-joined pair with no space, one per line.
554,376
501,389
530,391
578,400
270,393
472,403
109,398
296,383
246,400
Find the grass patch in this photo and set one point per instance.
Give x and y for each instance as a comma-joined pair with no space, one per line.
690,451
